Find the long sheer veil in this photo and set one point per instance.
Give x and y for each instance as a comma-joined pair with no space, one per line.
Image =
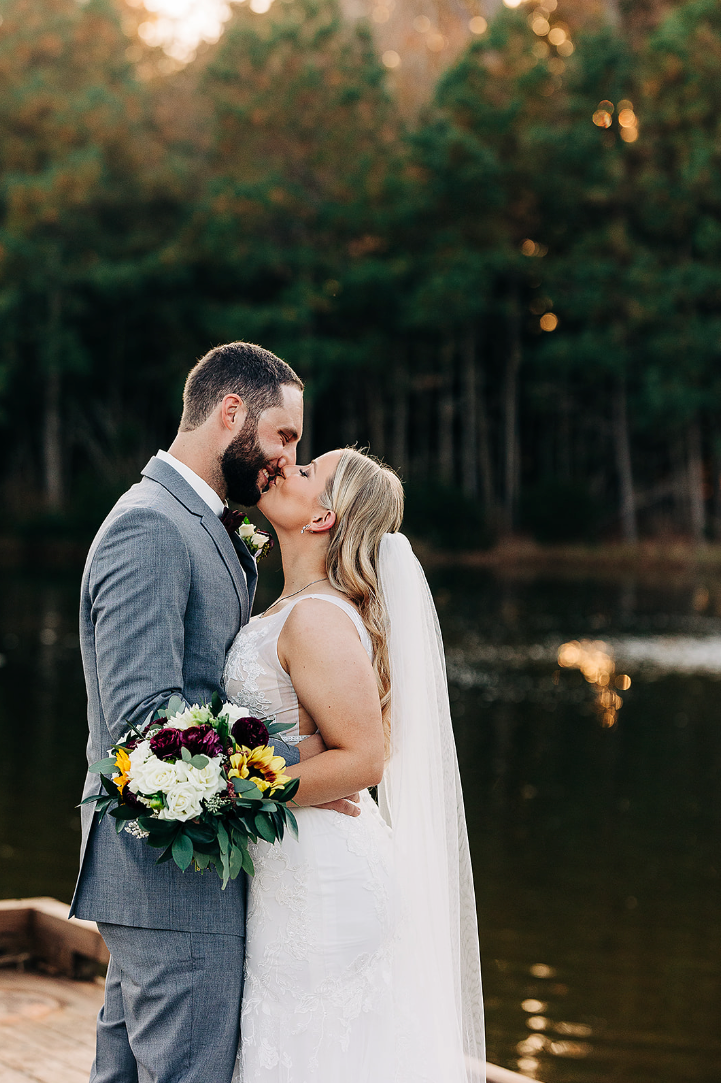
436,962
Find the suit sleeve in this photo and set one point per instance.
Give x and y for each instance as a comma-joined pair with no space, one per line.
139,583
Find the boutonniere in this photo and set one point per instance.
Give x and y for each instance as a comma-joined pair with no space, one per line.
258,542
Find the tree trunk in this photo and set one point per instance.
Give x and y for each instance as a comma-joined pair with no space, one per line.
52,434
399,436
469,416
695,483
376,418
510,415
446,465
622,448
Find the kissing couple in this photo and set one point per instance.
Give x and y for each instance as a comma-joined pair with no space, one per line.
351,956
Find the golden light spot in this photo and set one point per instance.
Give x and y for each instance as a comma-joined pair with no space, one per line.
556,66
380,14
625,104
549,322
569,1049
528,248
593,659
422,24
623,681
534,1043
542,970
539,25
557,36
566,47
477,25
541,49
629,135
602,119
391,59
607,105
627,118
436,42
513,3
537,1022
534,1006
527,1064
574,1030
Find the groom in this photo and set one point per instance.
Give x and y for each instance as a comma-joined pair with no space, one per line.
165,590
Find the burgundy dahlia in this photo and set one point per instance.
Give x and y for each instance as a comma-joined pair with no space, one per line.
250,732
167,743
202,741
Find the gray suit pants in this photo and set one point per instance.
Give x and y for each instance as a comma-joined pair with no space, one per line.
172,1007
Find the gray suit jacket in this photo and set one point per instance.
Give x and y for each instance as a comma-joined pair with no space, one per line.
163,596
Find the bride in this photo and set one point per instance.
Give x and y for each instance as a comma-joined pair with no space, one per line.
362,961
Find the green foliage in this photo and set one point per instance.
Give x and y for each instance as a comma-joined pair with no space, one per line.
271,192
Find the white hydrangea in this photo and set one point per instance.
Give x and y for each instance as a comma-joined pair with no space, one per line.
191,716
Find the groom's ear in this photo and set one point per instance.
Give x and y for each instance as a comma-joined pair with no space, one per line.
233,413
321,523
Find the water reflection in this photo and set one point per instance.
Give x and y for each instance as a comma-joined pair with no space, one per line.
597,868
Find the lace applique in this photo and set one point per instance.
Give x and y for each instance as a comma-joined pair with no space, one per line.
242,666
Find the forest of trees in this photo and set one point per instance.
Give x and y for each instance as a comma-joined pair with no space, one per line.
514,297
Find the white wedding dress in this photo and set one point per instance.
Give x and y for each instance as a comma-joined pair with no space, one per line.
317,1004
362,960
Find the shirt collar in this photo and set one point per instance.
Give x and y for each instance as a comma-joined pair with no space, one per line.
201,487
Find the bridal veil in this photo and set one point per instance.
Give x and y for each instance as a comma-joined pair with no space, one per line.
436,964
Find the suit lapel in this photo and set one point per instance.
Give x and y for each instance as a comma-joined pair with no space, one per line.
164,474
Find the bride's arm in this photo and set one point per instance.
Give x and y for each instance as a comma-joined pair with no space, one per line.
333,678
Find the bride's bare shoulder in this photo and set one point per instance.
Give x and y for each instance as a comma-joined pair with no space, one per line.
319,624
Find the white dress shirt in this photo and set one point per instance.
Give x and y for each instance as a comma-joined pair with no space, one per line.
201,487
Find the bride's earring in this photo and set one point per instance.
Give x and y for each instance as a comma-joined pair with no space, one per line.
306,527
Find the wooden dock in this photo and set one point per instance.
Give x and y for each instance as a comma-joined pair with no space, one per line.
47,1020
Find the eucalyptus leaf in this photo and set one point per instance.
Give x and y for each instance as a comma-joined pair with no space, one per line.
176,705
223,841
185,755
248,863
263,828
199,762
182,850
235,863
108,764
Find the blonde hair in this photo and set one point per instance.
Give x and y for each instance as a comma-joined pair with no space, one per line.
367,498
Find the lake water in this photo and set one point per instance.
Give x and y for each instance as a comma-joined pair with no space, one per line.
596,848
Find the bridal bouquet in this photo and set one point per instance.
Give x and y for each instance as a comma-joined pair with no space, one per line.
199,783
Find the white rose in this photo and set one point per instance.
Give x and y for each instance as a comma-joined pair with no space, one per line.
234,712
259,540
246,530
182,803
154,776
208,779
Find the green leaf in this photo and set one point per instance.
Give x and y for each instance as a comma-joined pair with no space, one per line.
199,762
292,822
223,841
201,860
216,704
200,833
166,855
108,764
185,755
287,792
182,850
124,812
248,866
109,786
279,727
244,786
235,863
176,705
264,828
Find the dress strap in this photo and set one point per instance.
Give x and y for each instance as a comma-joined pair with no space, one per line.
352,613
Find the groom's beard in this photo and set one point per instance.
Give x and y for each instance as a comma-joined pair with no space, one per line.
241,464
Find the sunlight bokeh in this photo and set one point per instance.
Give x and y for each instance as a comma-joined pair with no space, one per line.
179,26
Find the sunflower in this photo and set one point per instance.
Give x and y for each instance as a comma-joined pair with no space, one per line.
122,762
261,766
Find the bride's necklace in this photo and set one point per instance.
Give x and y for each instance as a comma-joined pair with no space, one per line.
284,597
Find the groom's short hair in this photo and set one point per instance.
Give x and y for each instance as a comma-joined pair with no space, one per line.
256,375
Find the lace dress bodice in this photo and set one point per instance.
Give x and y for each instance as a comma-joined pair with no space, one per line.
253,676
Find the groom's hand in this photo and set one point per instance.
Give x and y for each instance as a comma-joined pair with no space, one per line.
313,746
